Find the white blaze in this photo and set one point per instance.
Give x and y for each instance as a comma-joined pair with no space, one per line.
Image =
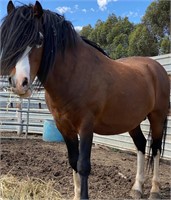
23,67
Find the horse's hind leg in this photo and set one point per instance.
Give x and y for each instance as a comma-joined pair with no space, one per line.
140,143
157,122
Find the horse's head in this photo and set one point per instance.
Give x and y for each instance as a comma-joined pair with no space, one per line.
21,46
32,39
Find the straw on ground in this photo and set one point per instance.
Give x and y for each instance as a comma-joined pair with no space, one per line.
11,188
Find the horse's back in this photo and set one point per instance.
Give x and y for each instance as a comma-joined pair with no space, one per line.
140,86
160,79
155,67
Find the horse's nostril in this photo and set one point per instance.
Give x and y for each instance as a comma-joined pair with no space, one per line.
25,82
10,81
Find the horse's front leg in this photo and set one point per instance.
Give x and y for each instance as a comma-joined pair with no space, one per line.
73,153
83,165
77,185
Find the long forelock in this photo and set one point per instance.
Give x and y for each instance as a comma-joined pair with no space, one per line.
58,33
18,31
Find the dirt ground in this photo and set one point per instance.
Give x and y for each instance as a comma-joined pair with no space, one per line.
112,175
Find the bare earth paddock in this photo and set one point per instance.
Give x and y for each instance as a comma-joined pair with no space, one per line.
112,174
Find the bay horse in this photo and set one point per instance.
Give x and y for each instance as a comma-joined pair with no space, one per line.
85,90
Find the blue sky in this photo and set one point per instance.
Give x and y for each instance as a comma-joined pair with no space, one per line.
84,12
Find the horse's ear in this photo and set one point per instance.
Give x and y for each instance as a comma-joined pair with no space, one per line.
10,7
38,10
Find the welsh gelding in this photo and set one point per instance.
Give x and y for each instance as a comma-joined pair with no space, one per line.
86,91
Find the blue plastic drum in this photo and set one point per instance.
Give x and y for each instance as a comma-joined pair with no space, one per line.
50,132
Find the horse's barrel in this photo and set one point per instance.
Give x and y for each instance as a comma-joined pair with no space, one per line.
50,132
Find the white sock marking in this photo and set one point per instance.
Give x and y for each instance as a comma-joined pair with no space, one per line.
155,180
139,181
77,187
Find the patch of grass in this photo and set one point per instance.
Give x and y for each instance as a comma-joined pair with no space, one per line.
11,188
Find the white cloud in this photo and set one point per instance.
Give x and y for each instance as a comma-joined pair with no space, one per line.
92,9
63,10
78,28
76,7
132,14
84,10
103,4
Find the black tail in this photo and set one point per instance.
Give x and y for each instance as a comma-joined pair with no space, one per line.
165,132
164,136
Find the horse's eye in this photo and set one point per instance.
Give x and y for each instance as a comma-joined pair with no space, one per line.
39,43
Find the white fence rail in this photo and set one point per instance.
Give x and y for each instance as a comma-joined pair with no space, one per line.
30,118
165,61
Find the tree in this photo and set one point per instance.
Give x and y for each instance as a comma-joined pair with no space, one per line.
118,38
119,47
96,35
121,38
165,45
142,43
86,31
111,35
122,26
157,21
157,18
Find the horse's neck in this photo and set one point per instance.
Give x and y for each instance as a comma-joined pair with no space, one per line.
72,72
61,78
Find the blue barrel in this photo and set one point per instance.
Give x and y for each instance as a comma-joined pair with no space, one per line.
50,132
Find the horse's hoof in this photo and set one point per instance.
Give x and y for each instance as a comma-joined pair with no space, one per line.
135,194
154,195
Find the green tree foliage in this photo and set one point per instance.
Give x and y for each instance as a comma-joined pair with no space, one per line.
157,18
165,45
86,30
118,38
95,34
112,35
141,42
119,46
121,38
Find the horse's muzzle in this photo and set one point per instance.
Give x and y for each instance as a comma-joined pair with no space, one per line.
22,88
22,94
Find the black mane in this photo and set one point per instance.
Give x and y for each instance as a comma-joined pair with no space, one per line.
21,28
93,44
